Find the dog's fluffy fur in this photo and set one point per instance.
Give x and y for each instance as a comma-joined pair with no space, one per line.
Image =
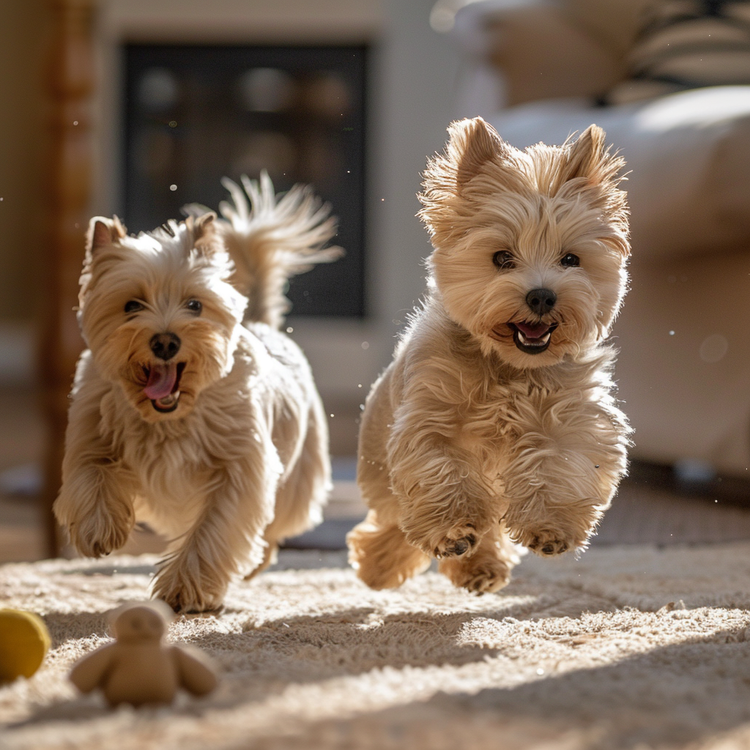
191,410
495,423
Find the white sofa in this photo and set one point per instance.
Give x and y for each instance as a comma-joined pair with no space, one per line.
533,68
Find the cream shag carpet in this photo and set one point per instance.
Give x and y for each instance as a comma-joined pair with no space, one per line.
628,647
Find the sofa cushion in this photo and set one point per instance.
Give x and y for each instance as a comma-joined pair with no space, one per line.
688,161
686,44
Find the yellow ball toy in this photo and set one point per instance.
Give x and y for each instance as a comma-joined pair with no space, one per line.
24,640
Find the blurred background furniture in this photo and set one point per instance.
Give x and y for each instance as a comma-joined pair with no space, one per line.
669,91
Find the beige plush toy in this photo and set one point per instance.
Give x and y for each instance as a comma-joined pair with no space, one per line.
139,667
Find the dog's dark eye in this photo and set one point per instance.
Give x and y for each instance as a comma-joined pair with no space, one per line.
570,261
133,306
194,305
503,259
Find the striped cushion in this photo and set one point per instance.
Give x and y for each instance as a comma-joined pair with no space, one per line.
686,44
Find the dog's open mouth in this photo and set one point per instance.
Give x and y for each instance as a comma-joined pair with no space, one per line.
163,385
532,338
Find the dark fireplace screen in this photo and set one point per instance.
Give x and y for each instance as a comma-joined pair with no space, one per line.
194,114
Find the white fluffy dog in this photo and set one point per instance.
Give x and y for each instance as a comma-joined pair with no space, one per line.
191,410
495,422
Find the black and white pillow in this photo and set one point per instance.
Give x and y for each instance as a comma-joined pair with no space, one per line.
686,44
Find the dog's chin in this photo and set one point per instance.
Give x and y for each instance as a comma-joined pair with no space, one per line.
168,404
175,406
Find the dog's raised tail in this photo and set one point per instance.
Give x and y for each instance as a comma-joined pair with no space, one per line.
272,238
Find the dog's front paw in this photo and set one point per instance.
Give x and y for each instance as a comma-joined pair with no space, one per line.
186,589
100,532
547,542
548,529
461,540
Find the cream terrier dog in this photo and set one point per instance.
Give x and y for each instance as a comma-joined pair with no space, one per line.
191,410
495,422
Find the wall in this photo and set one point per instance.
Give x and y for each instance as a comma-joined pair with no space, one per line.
414,71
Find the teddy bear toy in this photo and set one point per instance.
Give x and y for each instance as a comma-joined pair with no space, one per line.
139,668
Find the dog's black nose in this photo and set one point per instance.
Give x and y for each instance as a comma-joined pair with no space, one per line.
541,301
165,345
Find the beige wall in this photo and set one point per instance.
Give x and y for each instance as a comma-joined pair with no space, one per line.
23,26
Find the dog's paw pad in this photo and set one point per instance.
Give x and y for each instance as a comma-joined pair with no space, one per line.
455,547
546,547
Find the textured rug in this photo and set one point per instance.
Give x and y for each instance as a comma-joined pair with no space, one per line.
628,647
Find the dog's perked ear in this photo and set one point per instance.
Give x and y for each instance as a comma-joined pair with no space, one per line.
596,171
474,149
473,142
587,157
202,226
205,239
103,232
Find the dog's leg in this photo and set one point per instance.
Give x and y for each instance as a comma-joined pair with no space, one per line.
239,505
446,505
303,493
560,485
381,555
413,470
378,549
488,569
95,503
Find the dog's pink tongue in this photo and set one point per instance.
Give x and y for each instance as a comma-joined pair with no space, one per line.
532,331
161,380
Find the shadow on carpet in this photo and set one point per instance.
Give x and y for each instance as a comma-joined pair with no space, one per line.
628,647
